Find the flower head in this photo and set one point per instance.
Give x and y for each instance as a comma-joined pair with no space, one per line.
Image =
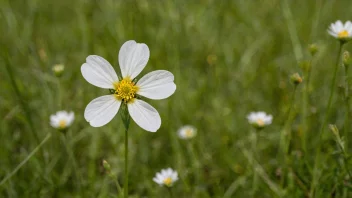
187,132
62,119
58,69
296,79
341,31
127,90
259,119
166,177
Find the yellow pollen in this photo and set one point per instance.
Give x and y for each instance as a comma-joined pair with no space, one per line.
125,90
343,34
260,122
62,124
168,181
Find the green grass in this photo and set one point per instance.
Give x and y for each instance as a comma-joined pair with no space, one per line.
257,45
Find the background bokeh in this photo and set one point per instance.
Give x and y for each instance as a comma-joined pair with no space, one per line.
228,57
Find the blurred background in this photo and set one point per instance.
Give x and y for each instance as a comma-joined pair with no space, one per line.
229,58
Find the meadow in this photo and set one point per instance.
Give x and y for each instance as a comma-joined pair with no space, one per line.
229,58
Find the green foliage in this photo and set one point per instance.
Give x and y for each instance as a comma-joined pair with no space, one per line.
228,57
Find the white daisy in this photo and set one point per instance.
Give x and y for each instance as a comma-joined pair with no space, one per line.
187,132
62,119
166,177
259,119
156,85
341,31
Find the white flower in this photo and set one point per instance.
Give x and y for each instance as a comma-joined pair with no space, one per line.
187,132
341,31
259,119
166,177
62,119
156,85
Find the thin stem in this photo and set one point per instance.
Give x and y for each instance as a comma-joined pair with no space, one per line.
126,122
73,159
347,105
170,192
306,105
285,138
332,91
326,117
126,164
345,162
195,160
289,122
254,151
117,185
26,159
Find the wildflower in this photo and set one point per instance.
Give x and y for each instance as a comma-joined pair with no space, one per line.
259,119
62,120
187,132
106,166
296,79
342,32
166,177
58,69
127,90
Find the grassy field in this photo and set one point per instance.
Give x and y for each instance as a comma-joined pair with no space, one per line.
229,58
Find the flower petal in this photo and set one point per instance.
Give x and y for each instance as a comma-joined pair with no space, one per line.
157,85
101,110
98,71
144,115
133,57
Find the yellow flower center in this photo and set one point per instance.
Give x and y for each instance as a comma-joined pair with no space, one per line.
343,34
168,181
62,124
260,122
189,132
125,90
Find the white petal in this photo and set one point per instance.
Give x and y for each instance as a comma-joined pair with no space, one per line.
332,33
339,25
347,25
157,85
98,71
133,57
101,110
144,115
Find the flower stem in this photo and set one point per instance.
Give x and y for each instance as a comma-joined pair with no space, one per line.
285,137
326,117
126,121
254,151
347,104
306,105
170,192
332,90
117,185
287,131
126,165
73,159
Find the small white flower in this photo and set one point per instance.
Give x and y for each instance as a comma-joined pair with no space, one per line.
156,85
166,177
62,119
187,132
341,31
259,119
